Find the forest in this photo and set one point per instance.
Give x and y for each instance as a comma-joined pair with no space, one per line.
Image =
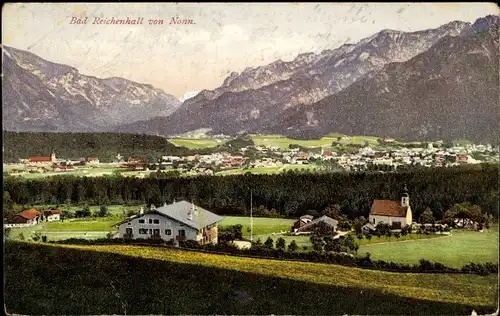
290,194
76,145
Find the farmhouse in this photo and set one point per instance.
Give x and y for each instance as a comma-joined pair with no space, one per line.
42,160
92,160
320,224
24,218
396,214
179,221
303,220
52,215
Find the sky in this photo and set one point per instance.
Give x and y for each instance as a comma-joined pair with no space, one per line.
225,37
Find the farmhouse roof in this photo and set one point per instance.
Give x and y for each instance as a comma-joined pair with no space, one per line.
180,211
51,212
387,208
323,219
40,158
29,214
307,217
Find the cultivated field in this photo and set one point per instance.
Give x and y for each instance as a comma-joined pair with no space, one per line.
461,248
117,280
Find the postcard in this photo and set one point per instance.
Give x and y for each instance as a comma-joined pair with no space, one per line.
250,158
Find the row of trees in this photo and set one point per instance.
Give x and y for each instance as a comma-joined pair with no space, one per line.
291,195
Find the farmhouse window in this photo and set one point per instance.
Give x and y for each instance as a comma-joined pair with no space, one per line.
150,221
168,232
150,231
182,232
141,221
143,231
156,221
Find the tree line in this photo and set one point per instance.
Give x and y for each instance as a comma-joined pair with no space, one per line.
105,146
290,195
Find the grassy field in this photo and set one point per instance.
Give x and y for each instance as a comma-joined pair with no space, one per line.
193,143
261,225
87,225
118,279
270,170
98,171
325,142
87,228
385,239
457,250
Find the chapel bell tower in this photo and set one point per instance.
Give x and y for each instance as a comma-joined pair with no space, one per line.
405,198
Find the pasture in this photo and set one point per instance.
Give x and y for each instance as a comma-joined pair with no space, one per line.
117,280
261,225
324,142
196,143
270,170
461,248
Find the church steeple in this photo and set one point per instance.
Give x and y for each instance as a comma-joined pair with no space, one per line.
405,197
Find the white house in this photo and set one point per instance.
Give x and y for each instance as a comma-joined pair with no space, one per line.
52,215
394,213
178,221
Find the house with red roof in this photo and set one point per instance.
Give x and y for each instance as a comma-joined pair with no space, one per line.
396,214
24,218
42,160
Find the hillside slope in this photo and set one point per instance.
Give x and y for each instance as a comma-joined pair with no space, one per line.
117,279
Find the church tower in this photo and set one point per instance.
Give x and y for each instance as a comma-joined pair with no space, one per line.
405,198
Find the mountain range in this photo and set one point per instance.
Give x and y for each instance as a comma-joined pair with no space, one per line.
436,83
39,95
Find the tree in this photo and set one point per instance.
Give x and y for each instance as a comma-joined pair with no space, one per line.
426,217
292,247
44,238
313,213
103,211
369,237
36,236
131,213
6,232
332,211
280,244
269,243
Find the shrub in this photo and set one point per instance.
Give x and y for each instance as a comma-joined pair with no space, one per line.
170,242
7,232
44,238
292,247
103,211
189,244
269,243
280,244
